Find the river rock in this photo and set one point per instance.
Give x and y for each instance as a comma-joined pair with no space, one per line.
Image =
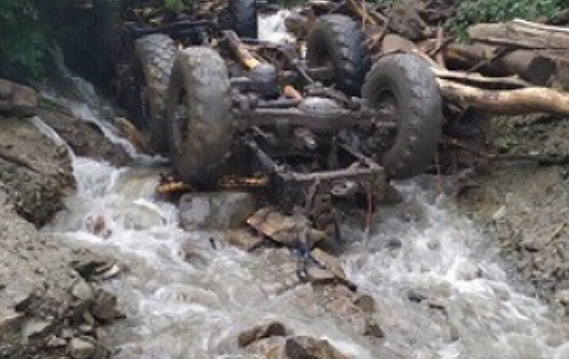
284,229
269,348
17,100
105,307
303,347
34,170
80,348
326,269
82,290
244,239
365,302
215,211
85,138
280,270
343,303
35,326
261,331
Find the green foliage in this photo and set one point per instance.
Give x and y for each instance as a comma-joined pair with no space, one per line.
175,5
476,11
23,42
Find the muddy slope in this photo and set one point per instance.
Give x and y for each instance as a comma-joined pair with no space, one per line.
525,203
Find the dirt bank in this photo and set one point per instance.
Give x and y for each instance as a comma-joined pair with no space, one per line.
43,298
524,203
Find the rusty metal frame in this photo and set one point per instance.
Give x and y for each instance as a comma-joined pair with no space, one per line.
289,188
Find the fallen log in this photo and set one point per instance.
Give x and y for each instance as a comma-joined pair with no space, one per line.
508,102
533,66
245,57
481,81
522,34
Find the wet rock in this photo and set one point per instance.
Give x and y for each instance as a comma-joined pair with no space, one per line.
562,296
55,342
17,100
35,177
280,271
35,326
129,131
286,230
302,347
372,329
261,331
365,302
342,302
24,101
105,306
244,239
269,348
327,268
98,226
215,211
80,348
85,138
97,269
82,290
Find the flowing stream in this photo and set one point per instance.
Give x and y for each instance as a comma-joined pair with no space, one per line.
437,281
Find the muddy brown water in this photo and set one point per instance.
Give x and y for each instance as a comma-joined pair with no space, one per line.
438,284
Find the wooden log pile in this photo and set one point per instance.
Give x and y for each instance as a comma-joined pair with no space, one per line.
512,68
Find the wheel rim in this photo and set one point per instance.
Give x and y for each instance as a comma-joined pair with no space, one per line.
180,124
387,124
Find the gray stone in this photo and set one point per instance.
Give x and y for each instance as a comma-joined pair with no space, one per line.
365,302
302,347
34,326
215,211
6,89
82,290
24,101
55,342
328,268
244,239
285,229
562,296
261,331
269,348
105,307
80,348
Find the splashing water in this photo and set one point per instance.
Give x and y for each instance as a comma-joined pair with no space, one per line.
436,279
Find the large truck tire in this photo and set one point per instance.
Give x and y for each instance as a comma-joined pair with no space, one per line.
404,87
199,115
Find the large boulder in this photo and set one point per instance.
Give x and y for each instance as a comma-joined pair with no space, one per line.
35,171
17,100
215,211
83,137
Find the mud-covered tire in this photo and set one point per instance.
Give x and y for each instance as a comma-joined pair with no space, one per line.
153,57
243,18
407,84
200,123
338,40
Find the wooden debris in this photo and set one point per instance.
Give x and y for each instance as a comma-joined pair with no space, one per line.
521,34
508,102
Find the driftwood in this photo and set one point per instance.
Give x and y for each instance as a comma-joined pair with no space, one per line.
521,34
240,51
536,67
481,81
508,102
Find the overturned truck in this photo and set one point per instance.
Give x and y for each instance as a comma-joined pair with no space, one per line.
307,120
